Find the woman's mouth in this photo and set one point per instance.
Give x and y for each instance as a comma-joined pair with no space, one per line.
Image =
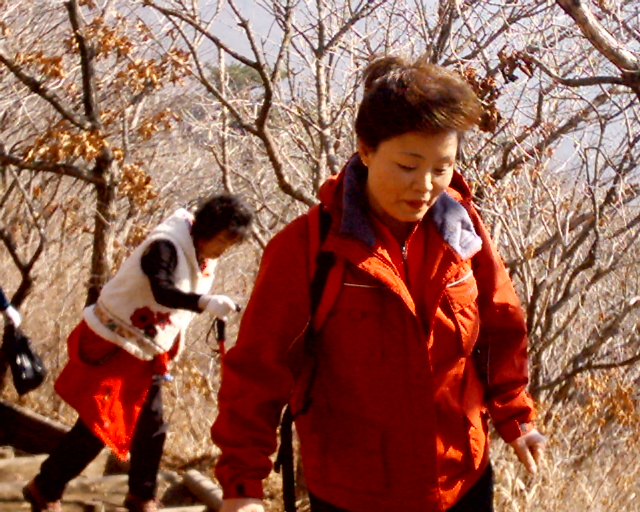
416,205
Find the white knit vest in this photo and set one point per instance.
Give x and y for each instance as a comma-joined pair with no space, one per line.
126,312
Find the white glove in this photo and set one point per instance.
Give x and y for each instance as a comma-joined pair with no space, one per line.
242,505
218,305
530,449
13,316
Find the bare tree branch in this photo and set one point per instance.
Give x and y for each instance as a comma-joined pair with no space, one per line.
87,54
562,129
599,36
24,266
55,168
39,88
574,82
193,23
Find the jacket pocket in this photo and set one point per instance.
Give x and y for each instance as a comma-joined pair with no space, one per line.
477,418
478,432
351,449
462,295
351,332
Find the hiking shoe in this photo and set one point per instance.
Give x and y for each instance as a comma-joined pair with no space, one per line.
134,504
38,502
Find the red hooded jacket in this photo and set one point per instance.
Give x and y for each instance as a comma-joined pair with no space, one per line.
415,349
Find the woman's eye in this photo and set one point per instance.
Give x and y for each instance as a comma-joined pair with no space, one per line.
440,172
406,167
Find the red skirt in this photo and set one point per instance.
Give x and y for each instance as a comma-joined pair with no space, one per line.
106,385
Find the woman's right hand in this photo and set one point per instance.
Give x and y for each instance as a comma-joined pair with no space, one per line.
242,505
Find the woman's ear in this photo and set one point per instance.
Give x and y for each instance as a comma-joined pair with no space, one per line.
365,152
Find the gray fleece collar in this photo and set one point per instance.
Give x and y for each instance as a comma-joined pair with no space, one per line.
355,217
450,218
454,225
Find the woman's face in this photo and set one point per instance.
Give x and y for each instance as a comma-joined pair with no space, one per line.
215,247
407,173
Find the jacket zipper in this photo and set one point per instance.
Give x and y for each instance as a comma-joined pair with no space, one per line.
404,261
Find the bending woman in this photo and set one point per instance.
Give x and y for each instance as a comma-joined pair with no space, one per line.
120,352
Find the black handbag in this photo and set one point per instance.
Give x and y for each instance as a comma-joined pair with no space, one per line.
27,368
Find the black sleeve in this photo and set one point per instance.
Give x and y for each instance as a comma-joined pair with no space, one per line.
159,262
4,302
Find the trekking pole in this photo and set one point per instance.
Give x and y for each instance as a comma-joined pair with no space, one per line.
219,327
284,462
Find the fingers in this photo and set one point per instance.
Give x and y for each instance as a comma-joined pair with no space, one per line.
536,443
13,316
537,451
220,306
525,456
225,305
530,449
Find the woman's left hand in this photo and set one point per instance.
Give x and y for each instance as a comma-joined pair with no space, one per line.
13,316
530,449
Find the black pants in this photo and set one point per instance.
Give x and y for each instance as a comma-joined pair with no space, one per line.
80,446
477,499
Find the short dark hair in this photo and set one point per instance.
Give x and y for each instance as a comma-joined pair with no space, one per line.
224,212
401,98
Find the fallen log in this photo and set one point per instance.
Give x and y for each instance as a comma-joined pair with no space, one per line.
188,508
204,489
28,431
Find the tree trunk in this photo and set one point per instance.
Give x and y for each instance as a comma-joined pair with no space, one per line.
103,225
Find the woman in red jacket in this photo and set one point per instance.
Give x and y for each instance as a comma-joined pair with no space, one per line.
418,339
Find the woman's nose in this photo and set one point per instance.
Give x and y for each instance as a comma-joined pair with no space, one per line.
424,181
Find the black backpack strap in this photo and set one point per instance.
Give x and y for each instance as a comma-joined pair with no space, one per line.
325,261
284,461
